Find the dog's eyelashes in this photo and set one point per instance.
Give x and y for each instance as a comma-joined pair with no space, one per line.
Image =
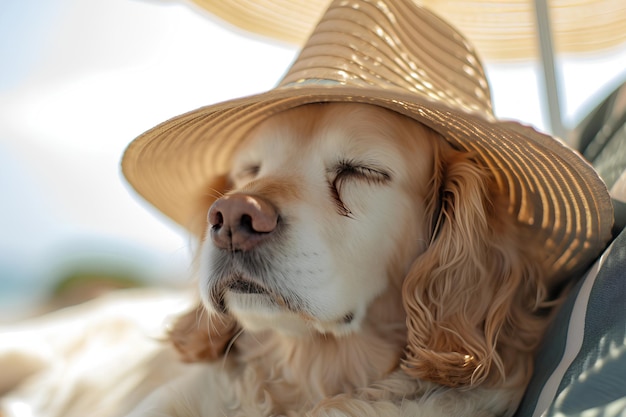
334,193
251,170
248,172
351,170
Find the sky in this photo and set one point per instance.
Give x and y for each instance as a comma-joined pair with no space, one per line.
79,79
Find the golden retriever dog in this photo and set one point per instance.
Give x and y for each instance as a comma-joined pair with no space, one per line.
354,264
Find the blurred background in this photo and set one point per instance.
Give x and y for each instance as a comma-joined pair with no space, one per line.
79,79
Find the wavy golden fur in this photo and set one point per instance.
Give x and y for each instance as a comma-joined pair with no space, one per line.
453,326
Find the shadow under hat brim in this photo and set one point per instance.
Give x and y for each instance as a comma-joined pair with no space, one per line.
550,187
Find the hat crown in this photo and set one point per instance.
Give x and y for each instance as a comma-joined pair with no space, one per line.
392,45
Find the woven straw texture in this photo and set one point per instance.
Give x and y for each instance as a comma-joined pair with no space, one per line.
396,55
500,29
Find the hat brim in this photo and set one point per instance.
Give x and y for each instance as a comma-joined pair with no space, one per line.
549,186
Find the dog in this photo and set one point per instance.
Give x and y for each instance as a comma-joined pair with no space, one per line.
353,263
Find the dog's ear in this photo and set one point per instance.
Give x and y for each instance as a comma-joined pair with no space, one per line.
470,295
200,337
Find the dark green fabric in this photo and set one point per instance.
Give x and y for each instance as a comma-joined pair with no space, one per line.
594,382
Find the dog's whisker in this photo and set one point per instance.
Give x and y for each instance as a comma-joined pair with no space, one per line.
215,193
230,345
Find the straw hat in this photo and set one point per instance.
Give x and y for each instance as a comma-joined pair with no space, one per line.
393,54
499,29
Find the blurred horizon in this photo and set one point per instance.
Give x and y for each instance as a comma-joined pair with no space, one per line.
79,80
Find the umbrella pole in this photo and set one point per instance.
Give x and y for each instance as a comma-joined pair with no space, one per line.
551,87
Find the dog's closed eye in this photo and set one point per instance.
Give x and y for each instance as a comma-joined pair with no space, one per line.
248,172
348,170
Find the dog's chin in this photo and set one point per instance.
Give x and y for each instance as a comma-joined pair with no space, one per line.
260,311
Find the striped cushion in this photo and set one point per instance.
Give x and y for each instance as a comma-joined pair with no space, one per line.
581,368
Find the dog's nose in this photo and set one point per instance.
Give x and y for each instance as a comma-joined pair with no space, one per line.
241,221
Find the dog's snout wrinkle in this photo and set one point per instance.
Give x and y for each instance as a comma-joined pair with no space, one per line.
241,221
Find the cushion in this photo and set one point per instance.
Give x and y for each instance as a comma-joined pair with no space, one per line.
581,367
